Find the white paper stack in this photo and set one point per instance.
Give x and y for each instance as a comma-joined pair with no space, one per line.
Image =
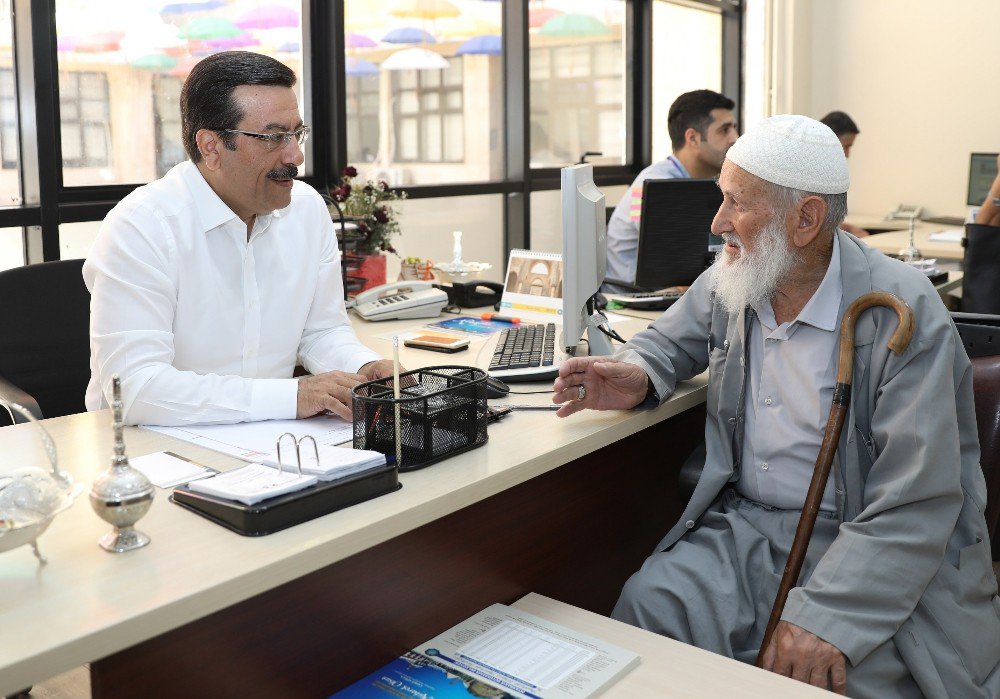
252,483
334,462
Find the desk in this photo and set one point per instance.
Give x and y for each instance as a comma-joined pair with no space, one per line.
894,241
568,508
669,668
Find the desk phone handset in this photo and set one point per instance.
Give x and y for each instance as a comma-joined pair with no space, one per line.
906,212
405,299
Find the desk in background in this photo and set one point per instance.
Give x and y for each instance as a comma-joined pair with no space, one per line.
567,508
895,235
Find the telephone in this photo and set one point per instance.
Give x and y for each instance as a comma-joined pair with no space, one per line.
404,299
905,212
476,294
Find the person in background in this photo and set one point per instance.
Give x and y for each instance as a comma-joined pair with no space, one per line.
989,212
897,597
702,128
209,285
846,131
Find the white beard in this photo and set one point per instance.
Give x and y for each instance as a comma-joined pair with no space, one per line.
752,278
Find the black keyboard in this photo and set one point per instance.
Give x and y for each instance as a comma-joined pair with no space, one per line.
525,347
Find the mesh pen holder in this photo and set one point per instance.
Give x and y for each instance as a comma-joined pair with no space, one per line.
442,411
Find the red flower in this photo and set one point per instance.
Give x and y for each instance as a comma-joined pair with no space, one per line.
350,171
383,185
381,215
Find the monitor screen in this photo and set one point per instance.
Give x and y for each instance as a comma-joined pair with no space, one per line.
675,236
584,253
982,172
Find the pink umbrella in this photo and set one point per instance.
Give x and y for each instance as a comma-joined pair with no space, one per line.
353,40
268,17
182,69
539,16
233,42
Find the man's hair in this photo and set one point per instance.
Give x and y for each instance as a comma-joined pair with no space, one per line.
207,96
693,110
840,123
784,198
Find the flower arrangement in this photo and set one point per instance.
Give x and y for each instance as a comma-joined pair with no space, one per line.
367,203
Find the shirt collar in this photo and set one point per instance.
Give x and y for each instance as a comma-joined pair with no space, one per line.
212,211
680,166
823,308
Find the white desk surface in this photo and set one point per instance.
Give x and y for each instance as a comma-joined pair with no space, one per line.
891,242
86,603
669,668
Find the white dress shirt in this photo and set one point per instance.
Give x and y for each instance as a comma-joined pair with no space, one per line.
203,325
793,373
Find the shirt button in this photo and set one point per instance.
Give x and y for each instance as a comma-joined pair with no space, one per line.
768,401
689,524
764,465
742,361
732,421
725,345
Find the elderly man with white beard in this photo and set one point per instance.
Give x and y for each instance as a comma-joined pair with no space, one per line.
897,597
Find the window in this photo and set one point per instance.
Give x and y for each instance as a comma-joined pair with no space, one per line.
85,118
424,91
167,118
577,83
8,120
429,116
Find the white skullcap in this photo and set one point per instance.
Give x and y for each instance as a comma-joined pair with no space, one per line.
793,151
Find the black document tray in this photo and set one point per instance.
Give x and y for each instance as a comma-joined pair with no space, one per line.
283,511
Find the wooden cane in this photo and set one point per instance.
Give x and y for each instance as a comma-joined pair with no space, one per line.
838,411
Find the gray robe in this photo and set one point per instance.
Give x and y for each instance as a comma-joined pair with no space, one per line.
910,561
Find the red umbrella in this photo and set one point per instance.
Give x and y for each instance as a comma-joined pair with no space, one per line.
540,15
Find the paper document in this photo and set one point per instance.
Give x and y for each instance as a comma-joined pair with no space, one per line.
252,483
251,441
950,235
166,470
334,462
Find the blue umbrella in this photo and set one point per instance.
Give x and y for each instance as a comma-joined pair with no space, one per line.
408,35
486,45
359,67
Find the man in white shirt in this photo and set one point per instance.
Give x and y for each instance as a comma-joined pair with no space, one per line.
209,285
702,128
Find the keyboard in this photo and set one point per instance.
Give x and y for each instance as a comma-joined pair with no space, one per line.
526,353
647,300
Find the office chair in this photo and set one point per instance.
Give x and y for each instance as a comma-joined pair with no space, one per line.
45,342
981,269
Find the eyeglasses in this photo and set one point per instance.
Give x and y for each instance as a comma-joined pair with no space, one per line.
273,141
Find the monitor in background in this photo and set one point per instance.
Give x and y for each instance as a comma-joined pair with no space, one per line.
584,254
982,172
675,239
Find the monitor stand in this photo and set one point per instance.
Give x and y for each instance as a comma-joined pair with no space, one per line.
598,343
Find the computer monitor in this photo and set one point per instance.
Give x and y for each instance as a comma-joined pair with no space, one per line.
584,254
675,239
982,172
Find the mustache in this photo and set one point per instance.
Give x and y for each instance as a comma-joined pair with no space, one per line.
288,172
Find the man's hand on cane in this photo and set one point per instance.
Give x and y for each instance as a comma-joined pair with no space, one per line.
801,655
598,383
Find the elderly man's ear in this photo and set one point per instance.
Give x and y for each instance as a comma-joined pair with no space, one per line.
811,212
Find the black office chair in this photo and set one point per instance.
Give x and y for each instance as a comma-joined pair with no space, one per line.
981,269
45,341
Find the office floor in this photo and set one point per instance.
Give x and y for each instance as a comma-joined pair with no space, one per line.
75,684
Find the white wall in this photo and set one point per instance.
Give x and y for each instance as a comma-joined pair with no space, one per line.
920,78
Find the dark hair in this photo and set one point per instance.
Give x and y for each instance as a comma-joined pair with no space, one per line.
207,95
840,123
693,110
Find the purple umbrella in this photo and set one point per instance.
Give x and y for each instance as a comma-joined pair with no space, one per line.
360,67
487,45
353,40
180,8
268,17
234,42
408,35
290,47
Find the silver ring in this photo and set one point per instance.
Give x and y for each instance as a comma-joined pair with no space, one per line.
581,391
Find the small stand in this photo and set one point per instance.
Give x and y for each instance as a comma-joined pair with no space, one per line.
911,253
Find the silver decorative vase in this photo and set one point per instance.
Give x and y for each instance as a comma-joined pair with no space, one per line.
121,495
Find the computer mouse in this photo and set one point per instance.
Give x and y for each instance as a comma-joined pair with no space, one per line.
495,388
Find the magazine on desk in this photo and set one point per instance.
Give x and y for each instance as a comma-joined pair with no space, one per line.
500,652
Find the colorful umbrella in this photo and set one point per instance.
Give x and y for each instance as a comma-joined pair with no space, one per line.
537,16
290,47
465,27
486,45
97,43
353,40
233,42
359,67
574,25
424,9
154,61
415,59
184,67
408,35
210,28
268,17
181,8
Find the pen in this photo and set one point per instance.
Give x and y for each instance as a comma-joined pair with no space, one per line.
553,406
502,319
